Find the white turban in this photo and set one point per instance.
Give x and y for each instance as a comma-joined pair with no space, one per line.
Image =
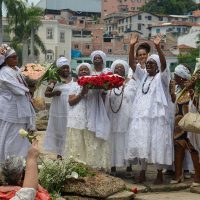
9,53
156,58
121,62
98,52
84,64
182,71
62,61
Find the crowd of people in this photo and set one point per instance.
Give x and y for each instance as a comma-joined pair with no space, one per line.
136,123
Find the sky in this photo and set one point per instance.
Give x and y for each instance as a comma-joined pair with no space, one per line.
33,1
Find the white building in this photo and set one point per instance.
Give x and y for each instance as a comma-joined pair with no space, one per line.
176,27
56,37
191,38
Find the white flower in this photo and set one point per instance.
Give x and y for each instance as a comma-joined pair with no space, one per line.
23,133
74,175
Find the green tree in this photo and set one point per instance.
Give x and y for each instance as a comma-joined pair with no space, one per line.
176,7
23,27
11,6
189,59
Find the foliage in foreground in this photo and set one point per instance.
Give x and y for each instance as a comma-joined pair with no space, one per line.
54,173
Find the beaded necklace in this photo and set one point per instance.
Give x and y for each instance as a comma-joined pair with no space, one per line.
122,96
145,92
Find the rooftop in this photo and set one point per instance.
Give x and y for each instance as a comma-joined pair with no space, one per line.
176,23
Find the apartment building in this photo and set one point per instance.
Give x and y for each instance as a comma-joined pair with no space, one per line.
116,6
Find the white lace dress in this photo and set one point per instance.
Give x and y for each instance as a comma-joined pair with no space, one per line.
83,144
16,112
56,130
150,133
120,120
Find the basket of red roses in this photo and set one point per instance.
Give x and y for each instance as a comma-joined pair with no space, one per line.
102,81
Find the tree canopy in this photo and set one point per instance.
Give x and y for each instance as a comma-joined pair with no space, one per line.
170,7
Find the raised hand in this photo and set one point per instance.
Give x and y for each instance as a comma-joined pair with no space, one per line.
134,39
157,39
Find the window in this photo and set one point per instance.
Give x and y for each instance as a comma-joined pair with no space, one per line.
87,46
179,29
49,56
149,18
109,50
160,18
139,27
49,33
76,46
139,17
157,30
62,36
125,47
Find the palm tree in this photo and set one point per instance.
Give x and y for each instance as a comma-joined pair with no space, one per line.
12,6
24,27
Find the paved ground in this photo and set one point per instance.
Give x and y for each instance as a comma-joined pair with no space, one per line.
181,195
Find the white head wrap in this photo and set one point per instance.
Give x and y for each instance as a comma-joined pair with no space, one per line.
62,61
122,62
156,58
9,53
98,52
84,64
182,71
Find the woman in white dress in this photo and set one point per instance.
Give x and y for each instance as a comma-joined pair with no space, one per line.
150,137
86,132
16,110
118,103
56,130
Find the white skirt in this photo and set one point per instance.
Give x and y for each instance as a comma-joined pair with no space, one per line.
11,143
118,144
150,139
86,147
55,137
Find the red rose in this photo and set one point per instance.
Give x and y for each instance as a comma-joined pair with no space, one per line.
134,190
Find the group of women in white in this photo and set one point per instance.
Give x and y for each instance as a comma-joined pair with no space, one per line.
105,129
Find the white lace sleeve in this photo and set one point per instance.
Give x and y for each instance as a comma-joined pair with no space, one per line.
139,72
74,89
25,194
165,78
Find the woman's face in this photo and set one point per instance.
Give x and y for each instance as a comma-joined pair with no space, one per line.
179,80
64,71
142,56
12,60
151,67
120,70
98,63
83,71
